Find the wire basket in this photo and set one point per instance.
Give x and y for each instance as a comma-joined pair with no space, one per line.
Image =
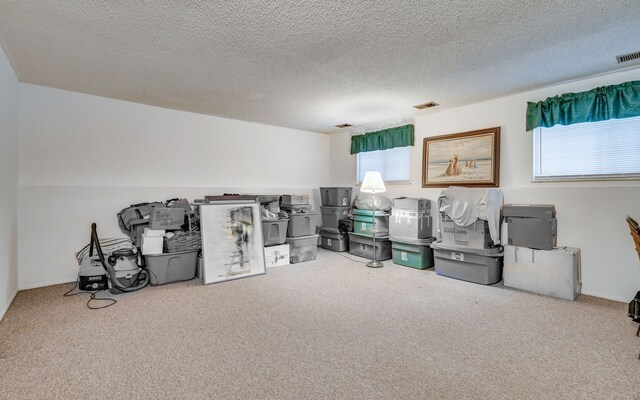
183,241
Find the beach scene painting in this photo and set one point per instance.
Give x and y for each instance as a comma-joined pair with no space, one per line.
462,159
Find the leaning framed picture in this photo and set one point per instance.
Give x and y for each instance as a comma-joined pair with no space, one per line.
462,159
231,241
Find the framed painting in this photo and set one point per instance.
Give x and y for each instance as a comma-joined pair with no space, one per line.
462,159
231,241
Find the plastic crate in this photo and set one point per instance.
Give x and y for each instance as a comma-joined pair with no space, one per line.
333,240
172,267
303,224
335,196
274,232
362,246
331,216
483,266
363,222
412,253
302,249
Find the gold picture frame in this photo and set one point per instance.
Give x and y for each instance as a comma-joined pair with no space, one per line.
462,159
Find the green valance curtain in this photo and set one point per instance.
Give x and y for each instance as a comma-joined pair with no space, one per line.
400,136
599,104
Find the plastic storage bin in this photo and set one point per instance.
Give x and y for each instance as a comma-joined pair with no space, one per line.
335,196
303,224
331,216
475,235
302,249
363,222
294,199
410,224
411,203
362,246
482,266
550,272
414,253
172,267
333,240
274,231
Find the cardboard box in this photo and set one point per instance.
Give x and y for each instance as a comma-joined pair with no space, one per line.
276,256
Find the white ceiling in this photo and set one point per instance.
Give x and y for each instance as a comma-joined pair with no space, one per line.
313,64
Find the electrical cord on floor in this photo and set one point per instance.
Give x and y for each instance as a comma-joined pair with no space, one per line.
91,298
352,259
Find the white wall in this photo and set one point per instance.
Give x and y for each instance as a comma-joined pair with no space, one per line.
591,215
8,183
83,158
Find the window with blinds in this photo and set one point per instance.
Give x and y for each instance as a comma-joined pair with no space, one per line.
592,150
394,164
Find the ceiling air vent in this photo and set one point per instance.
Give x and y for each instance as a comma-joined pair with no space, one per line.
628,57
343,125
426,105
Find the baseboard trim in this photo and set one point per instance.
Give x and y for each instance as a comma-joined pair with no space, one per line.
6,307
44,284
605,296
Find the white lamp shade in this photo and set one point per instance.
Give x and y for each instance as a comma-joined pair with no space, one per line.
372,183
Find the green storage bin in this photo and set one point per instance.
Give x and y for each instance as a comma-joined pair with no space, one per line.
363,222
415,254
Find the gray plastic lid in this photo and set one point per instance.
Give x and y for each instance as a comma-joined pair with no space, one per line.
417,242
490,252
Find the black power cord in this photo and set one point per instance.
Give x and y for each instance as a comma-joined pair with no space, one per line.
93,297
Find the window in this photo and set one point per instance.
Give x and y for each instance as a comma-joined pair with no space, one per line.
393,164
592,150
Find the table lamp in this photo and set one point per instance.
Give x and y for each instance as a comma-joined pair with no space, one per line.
372,183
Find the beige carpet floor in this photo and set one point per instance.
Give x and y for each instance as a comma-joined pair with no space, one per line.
327,329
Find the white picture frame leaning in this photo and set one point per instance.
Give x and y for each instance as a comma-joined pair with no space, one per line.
231,241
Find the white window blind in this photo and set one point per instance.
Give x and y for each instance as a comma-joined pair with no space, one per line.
592,150
393,164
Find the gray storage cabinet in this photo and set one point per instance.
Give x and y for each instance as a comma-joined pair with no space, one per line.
533,226
483,266
554,272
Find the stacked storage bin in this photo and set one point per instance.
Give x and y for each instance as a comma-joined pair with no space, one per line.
410,231
301,228
361,239
336,205
532,261
274,236
171,255
467,252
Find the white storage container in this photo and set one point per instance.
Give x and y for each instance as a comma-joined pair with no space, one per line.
276,256
410,224
554,272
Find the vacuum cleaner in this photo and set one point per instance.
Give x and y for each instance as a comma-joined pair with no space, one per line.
119,272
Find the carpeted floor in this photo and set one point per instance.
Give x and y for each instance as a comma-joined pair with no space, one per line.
327,329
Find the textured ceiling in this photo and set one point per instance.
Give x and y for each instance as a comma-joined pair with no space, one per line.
313,64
